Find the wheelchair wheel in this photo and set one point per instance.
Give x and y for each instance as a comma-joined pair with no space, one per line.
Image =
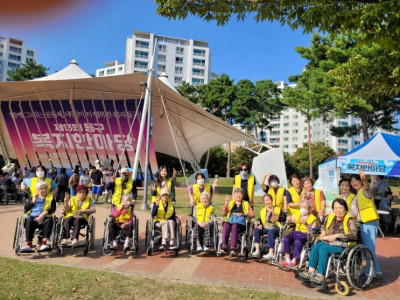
342,288
59,251
91,233
148,251
16,233
136,237
360,267
106,239
54,233
148,235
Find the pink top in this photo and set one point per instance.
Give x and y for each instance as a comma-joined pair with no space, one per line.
116,213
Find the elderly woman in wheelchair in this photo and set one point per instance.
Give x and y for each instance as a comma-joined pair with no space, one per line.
338,226
204,223
39,214
76,210
236,212
269,225
304,220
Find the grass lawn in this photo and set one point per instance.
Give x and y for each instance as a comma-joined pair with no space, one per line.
26,280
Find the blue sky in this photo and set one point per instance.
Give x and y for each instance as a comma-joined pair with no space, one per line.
96,33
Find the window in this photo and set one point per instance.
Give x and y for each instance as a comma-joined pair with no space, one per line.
295,131
162,57
199,62
178,70
295,123
119,68
285,139
275,132
101,73
198,72
29,52
357,143
15,49
294,146
196,81
286,117
343,123
275,125
273,141
198,52
162,48
140,64
285,124
178,79
29,59
295,116
14,57
285,146
161,68
286,132
343,142
305,136
179,60
13,65
141,54
111,71
179,50
294,138
142,44
344,150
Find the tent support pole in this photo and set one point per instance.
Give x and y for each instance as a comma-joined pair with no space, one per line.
145,206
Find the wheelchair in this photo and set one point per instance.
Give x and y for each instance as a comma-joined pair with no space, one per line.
312,238
19,236
107,243
88,235
191,229
355,263
153,237
244,240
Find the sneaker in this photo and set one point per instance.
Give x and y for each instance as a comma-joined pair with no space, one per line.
268,256
44,247
27,248
256,254
173,247
378,275
199,249
318,279
233,252
206,249
306,275
223,251
288,263
74,243
64,242
162,247
114,245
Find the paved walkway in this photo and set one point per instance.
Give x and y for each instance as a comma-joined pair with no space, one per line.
204,268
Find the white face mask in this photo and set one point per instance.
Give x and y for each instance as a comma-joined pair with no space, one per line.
274,184
40,174
303,211
200,181
244,174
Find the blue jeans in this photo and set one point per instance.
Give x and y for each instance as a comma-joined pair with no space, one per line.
319,256
271,235
369,231
72,191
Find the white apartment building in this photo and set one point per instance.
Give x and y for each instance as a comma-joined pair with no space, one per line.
112,68
180,59
13,53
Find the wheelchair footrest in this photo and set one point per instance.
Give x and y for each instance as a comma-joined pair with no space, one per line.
27,251
45,250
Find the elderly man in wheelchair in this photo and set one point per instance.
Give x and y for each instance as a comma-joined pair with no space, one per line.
337,252
39,214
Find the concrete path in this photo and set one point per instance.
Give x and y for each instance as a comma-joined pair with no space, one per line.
204,268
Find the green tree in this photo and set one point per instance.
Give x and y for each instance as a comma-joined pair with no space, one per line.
217,97
188,91
245,105
300,158
378,20
30,70
241,155
217,154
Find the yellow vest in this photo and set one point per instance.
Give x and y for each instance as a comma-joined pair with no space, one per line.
366,208
303,227
118,191
295,199
34,182
74,206
169,184
196,192
345,224
263,215
46,206
277,200
163,215
245,206
349,199
250,185
123,218
203,214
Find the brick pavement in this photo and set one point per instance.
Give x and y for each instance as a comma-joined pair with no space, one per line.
203,268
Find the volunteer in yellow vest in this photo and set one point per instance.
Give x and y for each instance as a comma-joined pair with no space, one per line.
338,225
269,225
315,196
293,195
304,220
38,214
163,212
277,192
364,210
163,181
121,186
236,211
198,188
122,220
345,193
76,210
30,183
245,181
205,225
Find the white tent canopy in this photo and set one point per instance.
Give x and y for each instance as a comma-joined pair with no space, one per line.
195,130
72,71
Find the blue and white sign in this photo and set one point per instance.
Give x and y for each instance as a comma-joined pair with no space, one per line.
369,166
